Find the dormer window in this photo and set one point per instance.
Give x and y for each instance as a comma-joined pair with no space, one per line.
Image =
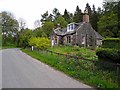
70,27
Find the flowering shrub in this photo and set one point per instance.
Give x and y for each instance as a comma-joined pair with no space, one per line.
39,43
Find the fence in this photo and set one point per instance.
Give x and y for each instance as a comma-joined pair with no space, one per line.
86,68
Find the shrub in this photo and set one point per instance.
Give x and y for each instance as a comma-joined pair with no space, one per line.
39,43
111,43
108,54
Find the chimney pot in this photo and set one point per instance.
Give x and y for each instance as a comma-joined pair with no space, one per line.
86,16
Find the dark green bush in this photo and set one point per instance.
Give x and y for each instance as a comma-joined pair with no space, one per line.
112,55
111,43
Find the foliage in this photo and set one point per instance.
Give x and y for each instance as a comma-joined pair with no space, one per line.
67,16
39,32
111,43
9,45
56,13
110,50
108,54
108,25
94,18
77,15
60,20
9,28
44,17
24,37
48,27
40,43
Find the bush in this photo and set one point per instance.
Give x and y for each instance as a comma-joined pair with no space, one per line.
108,54
111,43
39,43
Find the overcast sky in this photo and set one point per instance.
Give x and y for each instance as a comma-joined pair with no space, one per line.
31,10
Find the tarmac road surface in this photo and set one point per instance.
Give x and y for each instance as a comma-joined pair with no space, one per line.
22,71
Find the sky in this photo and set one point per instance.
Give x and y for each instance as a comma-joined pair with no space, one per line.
31,10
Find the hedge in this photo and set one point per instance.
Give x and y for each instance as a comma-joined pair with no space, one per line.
111,43
108,54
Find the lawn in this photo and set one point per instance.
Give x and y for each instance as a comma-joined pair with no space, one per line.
76,51
88,72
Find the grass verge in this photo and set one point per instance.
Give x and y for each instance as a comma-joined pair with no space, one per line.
85,71
76,51
8,46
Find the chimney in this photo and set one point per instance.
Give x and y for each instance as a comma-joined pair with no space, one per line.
86,16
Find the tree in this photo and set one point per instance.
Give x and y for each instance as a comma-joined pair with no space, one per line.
61,21
56,13
37,24
24,37
50,18
67,16
77,15
94,18
89,9
118,15
108,23
99,12
44,17
38,32
48,27
22,24
9,27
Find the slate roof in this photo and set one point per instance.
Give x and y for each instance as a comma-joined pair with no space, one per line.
79,26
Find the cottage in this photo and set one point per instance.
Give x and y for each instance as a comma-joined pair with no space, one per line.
81,34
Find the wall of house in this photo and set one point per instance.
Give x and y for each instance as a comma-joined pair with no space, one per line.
72,39
53,40
79,36
85,36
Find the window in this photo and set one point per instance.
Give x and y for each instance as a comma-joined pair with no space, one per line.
72,27
69,27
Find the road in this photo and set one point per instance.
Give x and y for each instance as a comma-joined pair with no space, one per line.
0,69
22,71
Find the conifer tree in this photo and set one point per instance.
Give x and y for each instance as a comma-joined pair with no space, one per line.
77,15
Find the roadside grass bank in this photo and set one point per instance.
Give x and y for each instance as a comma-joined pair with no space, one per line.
8,46
91,73
76,51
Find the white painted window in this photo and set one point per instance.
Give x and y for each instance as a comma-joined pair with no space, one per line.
70,27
